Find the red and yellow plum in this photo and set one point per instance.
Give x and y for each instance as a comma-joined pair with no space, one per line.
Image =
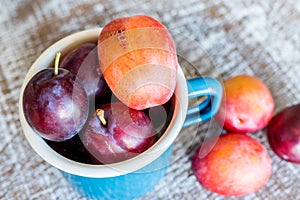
237,165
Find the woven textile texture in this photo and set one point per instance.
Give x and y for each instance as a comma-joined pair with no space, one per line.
213,37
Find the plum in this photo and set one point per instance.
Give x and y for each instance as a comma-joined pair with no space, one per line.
138,60
72,149
247,104
83,62
115,132
283,133
55,104
237,165
161,116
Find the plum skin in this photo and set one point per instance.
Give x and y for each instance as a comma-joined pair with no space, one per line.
247,104
283,133
132,51
55,106
236,166
83,62
126,134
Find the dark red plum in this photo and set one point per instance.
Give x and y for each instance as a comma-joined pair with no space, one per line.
72,149
83,62
284,134
116,133
161,115
55,106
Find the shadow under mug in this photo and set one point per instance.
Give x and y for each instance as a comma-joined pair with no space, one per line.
135,177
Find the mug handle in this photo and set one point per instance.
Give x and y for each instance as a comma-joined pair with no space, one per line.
200,87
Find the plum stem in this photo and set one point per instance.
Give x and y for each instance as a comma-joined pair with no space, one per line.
100,115
56,62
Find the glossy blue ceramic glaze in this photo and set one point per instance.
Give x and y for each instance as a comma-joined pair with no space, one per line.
203,87
124,187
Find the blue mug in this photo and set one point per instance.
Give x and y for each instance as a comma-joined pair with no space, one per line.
135,177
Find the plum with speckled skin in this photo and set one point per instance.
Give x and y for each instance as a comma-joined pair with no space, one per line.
247,104
237,165
138,59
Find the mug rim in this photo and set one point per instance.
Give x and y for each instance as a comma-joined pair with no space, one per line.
108,170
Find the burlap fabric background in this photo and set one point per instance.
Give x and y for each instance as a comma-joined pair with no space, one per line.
221,39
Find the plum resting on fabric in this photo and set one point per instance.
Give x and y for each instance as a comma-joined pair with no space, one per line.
237,165
247,104
283,133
